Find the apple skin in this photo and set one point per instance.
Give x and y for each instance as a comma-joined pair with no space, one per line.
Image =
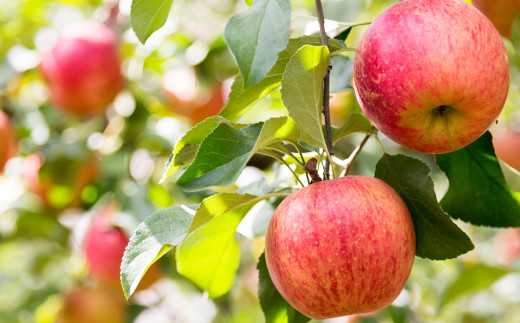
104,247
432,75
502,13
341,247
507,147
82,70
8,146
93,305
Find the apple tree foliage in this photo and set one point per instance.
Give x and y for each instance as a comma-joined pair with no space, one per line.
212,155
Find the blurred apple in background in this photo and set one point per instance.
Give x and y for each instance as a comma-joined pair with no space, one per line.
104,246
60,184
502,13
7,140
507,146
93,305
82,70
507,245
186,97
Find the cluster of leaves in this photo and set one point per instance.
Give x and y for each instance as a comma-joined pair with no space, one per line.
215,152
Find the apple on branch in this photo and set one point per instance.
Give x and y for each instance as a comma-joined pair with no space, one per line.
502,13
432,75
341,247
83,70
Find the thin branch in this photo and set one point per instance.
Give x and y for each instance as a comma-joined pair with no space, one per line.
326,87
280,159
350,160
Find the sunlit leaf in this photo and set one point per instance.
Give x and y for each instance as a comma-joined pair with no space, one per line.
302,91
146,16
160,232
256,37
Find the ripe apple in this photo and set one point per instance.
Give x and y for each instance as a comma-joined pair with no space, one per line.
104,247
340,247
507,147
83,68
7,140
432,75
502,13
186,97
93,305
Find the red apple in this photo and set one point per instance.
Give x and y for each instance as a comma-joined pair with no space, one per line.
104,247
83,68
187,98
502,13
93,305
341,247
507,147
432,75
7,140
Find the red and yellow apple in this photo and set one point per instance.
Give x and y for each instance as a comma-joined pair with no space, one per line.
8,146
502,13
432,75
93,305
83,70
186,97
104,247
341,247
507,147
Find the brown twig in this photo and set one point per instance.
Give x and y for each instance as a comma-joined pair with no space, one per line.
326,90
311,168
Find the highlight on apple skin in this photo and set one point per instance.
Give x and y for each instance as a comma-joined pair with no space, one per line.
341,247
432,75
82,70
502,13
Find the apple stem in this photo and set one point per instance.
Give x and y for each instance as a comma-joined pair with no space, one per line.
350,160
311,168
326,91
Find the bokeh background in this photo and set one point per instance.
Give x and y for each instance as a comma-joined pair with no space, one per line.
68,173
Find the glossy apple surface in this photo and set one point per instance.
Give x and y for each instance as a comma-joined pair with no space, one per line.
341,247
7,140
83,68
432,75
502,13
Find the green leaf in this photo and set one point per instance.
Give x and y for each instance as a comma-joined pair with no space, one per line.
186,149
275,307
210,254
475,277
478,192
515,34
155,236
437,237
241,100
302,91
146,16
249,3
356,122
341,73
257,35
225,152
